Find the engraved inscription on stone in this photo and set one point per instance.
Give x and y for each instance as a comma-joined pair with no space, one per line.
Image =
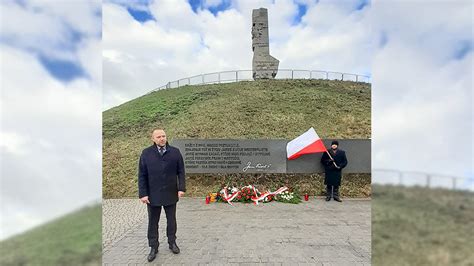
232,156
264,66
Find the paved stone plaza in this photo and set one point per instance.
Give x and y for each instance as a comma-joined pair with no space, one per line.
311,233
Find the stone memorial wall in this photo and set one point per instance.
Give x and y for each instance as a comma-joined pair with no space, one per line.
264,156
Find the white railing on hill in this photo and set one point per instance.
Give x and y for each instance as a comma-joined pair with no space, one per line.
414,178
246,75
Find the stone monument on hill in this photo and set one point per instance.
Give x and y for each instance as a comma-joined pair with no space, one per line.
264,66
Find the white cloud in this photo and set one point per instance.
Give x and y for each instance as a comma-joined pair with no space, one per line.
44,33
84,16
341,41
51,131
13,143
89,55
177,15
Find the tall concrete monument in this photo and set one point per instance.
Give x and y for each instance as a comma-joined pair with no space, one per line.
264,66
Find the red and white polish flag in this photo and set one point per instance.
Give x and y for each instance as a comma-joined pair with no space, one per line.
308,142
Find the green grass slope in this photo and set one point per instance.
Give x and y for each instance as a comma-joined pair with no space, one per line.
419,226
74,239
244,110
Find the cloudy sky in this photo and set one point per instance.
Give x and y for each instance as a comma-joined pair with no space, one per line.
147,44
51,75
422,100
63,62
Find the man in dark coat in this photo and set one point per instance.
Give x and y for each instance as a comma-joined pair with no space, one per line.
333,167
161,182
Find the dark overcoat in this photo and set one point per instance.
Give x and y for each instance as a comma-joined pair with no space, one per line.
333,175
161,177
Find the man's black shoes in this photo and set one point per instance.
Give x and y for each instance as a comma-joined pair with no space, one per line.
153,253
328,198
174,248
337,199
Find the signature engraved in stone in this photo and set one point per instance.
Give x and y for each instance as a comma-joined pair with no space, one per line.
258,166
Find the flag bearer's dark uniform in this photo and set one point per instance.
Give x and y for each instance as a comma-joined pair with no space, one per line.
333,175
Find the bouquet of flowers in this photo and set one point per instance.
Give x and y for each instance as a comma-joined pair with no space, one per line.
246,194
288,197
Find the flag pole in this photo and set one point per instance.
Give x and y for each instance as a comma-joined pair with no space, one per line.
332,159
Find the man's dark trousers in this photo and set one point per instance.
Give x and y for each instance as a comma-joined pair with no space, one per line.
154,219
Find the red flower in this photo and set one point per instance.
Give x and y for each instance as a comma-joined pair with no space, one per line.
239,197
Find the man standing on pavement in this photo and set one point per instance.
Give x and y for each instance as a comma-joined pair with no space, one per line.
333,166
161,182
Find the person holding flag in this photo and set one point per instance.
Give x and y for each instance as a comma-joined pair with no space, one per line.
334,160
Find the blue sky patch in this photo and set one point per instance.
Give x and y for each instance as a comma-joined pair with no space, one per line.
301,12
224,5
197,5
140,15
61,69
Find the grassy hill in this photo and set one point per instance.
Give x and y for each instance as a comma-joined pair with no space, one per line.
419,226
243,110
74,239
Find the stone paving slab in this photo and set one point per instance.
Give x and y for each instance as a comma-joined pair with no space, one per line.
311,233
118,217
